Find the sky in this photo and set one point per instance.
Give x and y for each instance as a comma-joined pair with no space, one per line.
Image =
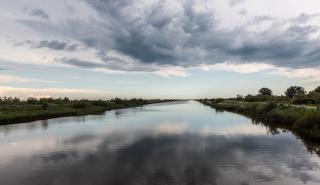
157,48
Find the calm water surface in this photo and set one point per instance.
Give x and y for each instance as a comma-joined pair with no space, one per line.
182,143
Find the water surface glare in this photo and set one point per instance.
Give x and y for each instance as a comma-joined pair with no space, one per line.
180,143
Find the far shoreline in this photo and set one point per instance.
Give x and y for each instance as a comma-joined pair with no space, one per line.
15,111
301,120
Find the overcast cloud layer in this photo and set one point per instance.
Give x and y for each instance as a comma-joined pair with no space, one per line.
132,35
160,37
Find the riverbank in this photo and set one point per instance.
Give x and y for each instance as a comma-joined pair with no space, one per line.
13,112
304,121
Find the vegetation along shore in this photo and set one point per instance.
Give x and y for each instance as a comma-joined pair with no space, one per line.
14,110
297,111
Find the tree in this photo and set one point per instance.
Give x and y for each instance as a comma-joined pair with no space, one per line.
295,91
32,100
65,99
265,91
315,93
250,98
239,97
44,105
317,90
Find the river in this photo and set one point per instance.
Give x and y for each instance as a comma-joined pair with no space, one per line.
177,143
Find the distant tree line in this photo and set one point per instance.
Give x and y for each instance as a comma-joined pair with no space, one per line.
294,94
82,103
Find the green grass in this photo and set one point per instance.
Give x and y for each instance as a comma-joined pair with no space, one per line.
302,120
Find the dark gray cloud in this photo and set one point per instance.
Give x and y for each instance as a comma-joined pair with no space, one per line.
236,2
243,12
80,63
108,63
157,35
291,48
193,37
182,36
40,13
304,18
262,18
54,45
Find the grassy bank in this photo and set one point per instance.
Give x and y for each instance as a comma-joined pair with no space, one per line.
16,111
304,121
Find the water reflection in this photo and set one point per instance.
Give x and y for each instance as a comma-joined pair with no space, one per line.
156,146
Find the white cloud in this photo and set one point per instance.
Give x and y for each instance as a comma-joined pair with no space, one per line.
10,78
129,82
242,128
312,74
51,92
172,71
172,128
244,68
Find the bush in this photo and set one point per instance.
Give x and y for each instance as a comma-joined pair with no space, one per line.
304,100
32,101
100,103
310,121
80,105
45,105
218,100
268,107
250,98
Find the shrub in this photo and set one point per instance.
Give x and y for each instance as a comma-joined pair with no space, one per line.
45,105
32,100
250,98
79,105
310,120
218,100
268,107
100,103
304,100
